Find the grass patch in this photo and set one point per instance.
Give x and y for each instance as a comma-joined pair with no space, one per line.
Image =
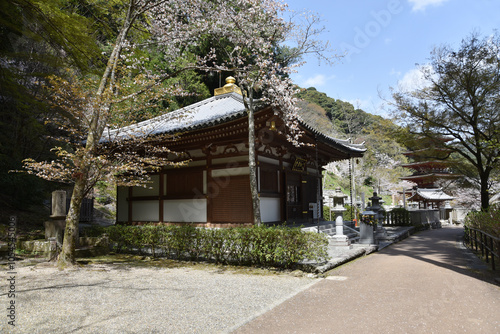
130,261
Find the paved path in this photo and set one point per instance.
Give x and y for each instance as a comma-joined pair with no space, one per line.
424,284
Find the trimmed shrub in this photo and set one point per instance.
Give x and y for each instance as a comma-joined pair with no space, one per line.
486,221
347,213
260,245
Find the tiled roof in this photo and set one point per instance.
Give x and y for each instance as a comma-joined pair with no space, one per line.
359,148
433,194
209,112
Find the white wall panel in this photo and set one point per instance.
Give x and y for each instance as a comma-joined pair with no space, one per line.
231,172
145,211
185,210
270,209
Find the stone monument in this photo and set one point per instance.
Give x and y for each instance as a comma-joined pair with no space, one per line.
54,228
366,225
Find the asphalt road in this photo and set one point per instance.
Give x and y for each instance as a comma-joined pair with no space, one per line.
425,284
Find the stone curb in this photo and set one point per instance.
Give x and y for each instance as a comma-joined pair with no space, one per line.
359,250
354,254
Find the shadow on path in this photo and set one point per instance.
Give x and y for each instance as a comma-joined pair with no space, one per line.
443,248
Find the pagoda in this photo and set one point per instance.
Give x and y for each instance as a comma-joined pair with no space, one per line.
429,166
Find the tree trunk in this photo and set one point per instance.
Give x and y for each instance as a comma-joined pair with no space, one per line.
485,195
96,128
252,162
67,255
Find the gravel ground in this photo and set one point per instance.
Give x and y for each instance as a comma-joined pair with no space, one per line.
105,298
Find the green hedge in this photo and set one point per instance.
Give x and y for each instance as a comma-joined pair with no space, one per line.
346,214
486,221
260,246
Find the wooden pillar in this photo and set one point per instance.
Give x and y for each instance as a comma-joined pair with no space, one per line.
209,181
160,196
282,189
320,192
129,205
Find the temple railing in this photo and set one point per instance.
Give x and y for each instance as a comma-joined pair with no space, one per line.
481,241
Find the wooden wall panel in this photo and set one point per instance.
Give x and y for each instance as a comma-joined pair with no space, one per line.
184,183
269,180
231,201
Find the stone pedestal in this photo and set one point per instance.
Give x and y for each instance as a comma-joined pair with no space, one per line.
339,239
339,224
55,229
366,234
380,232
52,248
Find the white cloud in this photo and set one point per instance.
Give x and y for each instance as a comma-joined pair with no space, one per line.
421,5
414,79
395,72
370,105
316,81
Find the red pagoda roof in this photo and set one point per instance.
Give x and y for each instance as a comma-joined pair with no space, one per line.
427,164
427,180
429,153
414,178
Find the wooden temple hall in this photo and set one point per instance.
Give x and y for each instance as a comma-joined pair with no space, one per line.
213,189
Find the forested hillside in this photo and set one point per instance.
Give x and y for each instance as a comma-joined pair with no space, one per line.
343,115
380,165
50,43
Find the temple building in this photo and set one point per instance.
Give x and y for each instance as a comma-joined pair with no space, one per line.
213,188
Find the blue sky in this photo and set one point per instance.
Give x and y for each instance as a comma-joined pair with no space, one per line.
384,40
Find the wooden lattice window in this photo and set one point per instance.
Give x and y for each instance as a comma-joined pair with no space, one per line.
184,183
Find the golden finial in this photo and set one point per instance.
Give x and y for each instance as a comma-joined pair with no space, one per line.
230,81
229,87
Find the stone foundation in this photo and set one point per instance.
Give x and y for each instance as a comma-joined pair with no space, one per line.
89,246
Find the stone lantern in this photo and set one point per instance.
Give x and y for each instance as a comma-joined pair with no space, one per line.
379,214
338,210
376,207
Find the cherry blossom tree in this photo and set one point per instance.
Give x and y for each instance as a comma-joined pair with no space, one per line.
256,28
251,31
